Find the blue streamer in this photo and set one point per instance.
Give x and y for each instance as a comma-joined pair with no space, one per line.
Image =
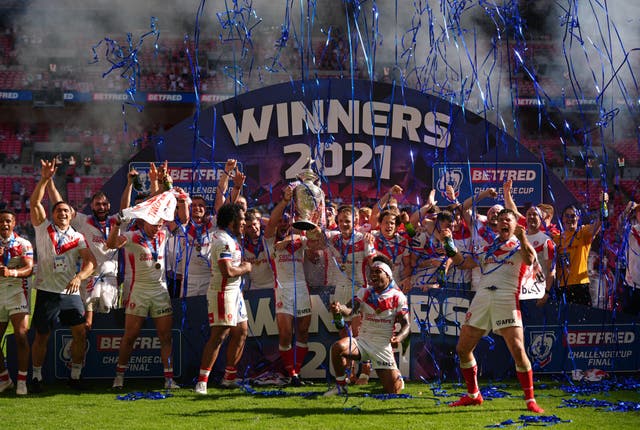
145,395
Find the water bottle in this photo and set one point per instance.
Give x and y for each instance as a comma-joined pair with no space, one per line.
338,321
605,210
167,182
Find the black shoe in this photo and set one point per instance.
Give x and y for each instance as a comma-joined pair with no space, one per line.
77,384
296,381
36,386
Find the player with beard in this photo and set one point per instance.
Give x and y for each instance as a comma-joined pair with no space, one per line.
16,266
199,232
495,305
100,292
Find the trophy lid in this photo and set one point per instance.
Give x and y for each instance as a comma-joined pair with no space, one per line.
308,174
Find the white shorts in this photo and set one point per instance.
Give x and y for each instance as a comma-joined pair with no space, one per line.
493,310
13,301
226,308
381,356
284,295
100,294
149,302
197,285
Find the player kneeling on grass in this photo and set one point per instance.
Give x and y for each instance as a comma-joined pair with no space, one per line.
495,305
382,305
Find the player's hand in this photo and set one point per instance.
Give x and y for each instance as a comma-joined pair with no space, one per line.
48,169
131,176
74,285
335,307
5,271
506,187
288,193
489,193
542,300
395,190
230,165
450,193
519,233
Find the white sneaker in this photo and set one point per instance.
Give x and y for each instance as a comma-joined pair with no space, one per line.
170,384
338,390
21,389
5,385
228,383
118,382
201,388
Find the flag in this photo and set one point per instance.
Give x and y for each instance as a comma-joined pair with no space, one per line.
158,207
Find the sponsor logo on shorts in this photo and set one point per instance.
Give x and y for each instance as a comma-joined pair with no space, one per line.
303,312
229,317
507,321
165,311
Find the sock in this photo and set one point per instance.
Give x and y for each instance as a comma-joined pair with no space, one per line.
204,375
230,373
301,352
168,373
120,370
341,380
470,374
286,352
526,382
4,376
37,373
22,376
76,368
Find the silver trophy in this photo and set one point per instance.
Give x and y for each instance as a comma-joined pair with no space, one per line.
308,199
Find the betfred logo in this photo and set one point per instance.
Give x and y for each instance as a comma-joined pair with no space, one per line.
594,338
108,343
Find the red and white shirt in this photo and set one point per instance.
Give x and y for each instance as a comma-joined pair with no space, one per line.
632,276
502,266
395,248
344,255
379,313
13,251
145,259
58,255
96,233
288,262
260,255
224,247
